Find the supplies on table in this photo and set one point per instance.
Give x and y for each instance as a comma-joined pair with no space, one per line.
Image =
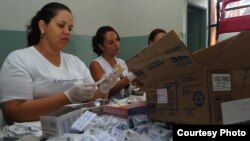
60,121
126,107
19,130
96,106
110,128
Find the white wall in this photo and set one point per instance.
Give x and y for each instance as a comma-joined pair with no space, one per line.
129,17
88,14
141,16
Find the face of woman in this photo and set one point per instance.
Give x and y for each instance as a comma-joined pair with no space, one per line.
111,44
159,36
57,32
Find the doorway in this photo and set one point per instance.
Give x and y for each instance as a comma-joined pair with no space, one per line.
196,27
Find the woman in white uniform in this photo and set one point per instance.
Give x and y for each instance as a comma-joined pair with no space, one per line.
41,78
106,44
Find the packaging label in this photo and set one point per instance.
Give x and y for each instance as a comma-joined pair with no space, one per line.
118,131
162,95
181,60
198,99
83,121
221,82
240,108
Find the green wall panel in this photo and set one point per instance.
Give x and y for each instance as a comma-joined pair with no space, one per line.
12,40
9,41
80,45
131,46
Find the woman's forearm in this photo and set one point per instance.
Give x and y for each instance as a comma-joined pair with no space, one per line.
31,110
119,86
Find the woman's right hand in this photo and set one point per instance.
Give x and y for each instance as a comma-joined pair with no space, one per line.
80,93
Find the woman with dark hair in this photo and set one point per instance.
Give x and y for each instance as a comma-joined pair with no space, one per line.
155,35
106,44
42,78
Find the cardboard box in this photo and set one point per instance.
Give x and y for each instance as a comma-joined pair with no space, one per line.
59,122
189,88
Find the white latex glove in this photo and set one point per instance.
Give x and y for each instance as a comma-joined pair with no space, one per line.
108,83
80,93
131,76
109,80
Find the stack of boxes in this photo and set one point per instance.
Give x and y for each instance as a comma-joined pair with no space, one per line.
187,88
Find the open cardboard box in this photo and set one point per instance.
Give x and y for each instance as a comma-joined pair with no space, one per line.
187,88
60,121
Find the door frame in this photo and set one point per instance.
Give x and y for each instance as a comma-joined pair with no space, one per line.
196,15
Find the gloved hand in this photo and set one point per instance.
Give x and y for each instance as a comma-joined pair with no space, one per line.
108,83
110,79
131,76
80,93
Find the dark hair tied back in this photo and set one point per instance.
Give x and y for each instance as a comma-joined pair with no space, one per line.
46,13
99,38
153,33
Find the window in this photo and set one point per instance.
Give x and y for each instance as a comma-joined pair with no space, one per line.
233,9
238,8
212,22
